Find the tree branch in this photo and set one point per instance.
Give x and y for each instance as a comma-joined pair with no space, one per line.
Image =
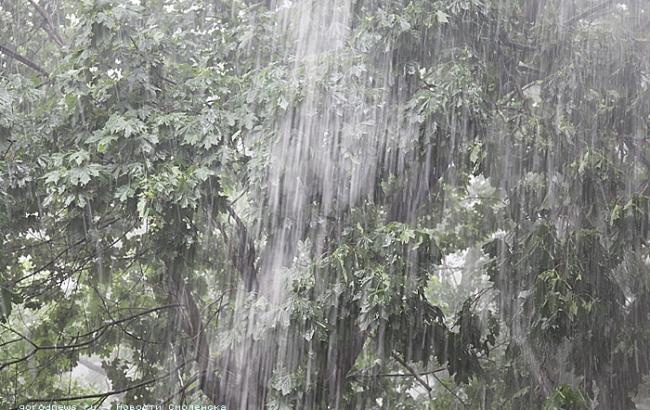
97,334
595,9
246,253
441,369
422,381
411,371
49,25
13,54
105,394
195,329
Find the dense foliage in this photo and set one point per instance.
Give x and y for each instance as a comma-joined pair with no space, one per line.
395,204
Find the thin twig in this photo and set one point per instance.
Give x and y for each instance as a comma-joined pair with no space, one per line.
590,11
422,381
412,371
96,333
441,369
105,394
182,389
449,390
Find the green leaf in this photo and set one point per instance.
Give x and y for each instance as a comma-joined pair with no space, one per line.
125,126
442,17
404,25
202,173
124,192
78,176
616,214
79,157
406,235
105,142
52,177
191,138
283,103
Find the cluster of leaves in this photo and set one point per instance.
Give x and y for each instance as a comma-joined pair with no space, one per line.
374,282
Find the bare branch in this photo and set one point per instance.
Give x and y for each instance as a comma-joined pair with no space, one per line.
49,24
182,390
412,371
96,335
441,369
422,381
18,57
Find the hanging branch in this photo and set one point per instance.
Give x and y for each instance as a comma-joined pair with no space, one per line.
13,54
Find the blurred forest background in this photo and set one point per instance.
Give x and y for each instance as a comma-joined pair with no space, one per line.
328,204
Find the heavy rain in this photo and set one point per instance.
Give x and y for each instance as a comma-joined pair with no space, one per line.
324,204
